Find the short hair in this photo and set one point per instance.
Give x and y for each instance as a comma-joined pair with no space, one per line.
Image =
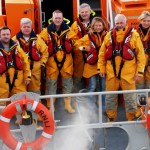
5,28
83,5
144,14
98,19
25,21
57,12
120,16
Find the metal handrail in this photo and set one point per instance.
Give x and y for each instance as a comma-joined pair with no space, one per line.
100,124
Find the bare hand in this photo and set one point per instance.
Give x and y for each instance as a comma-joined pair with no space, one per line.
87,49
137,78
102,74
27,82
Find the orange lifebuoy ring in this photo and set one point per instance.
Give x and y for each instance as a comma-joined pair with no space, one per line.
9,139
147,118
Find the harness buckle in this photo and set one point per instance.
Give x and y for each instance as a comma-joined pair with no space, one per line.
27,53
58,47
10,64
117,52
147,51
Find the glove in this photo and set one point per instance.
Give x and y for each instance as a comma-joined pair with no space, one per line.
43,73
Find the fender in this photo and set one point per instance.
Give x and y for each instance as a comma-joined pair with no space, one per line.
48,123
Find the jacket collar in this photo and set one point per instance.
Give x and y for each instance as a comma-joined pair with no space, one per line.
91,17
52,27
32,35
12,44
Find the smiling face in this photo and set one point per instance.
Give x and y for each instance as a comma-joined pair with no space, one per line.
5,36
98,26
85,13
145,22
120,23
57,19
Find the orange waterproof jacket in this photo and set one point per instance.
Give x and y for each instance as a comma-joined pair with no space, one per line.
97,38
60,60
131,67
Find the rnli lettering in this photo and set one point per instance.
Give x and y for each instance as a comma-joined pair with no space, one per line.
45,119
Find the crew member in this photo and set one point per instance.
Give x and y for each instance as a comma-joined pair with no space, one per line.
122,60
15,72
144,31
60,61
91,44
78,29
36,50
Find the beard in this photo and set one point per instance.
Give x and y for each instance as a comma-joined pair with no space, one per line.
5,41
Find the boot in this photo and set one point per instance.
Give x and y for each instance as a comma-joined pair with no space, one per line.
68,106
138,112
112,115
130,116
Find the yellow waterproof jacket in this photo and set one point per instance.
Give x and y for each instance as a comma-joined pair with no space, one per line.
26,66
40,45
146,41
90,70
13,80
52,66
131,67
24,59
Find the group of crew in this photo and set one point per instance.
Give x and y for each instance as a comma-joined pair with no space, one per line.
80,54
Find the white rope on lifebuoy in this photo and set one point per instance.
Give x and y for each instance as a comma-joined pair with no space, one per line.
48,125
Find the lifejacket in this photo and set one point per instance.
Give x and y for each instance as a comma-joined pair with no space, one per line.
58,43
30,49
10,60
146,43
51,43
65,44
92,56
122,49
82,30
